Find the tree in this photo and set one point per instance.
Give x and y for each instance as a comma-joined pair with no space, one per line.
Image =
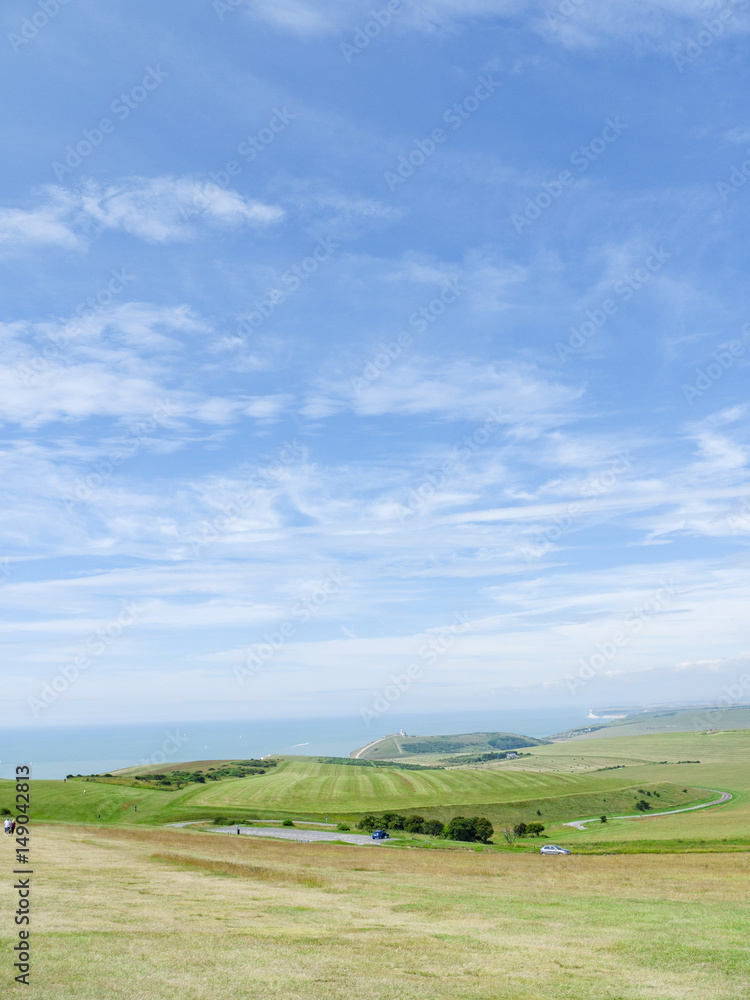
459,828
414,824
483,829
520,829
393,821
642,806
509,834
287,822
469,829
534,829
369,823
603,819
433,827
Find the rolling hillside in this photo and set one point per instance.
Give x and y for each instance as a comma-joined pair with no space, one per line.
397,747
671,721
555,782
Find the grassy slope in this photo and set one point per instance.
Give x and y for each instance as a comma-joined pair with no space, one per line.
691,720
398,747
129,914
724,760
559,780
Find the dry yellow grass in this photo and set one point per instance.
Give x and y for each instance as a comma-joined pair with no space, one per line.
126,914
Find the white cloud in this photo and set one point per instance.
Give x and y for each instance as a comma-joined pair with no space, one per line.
115,362
297,16
44,225
650,24
268,409
738,135
161,209
158,210
453,391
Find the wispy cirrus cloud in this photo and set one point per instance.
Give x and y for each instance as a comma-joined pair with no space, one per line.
155,209
118,362
650,24
459,390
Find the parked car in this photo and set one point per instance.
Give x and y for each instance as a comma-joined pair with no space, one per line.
380,835
553,849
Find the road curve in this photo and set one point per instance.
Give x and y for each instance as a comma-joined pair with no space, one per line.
580,824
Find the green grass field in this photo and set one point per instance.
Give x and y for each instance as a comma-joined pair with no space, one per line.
561,782
304,788
148,914
650,907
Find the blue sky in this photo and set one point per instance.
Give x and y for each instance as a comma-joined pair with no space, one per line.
364,358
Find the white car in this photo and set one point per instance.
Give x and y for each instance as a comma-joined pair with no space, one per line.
553,849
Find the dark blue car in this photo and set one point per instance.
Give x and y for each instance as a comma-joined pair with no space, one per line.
380,835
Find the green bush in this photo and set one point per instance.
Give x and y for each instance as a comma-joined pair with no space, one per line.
393,821
483,829
414,824
369,823
287,822
468,829
343,827
433,827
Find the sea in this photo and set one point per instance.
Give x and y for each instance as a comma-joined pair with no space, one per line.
56,751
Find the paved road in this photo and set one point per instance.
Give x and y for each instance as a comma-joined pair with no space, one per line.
580,824
287,833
